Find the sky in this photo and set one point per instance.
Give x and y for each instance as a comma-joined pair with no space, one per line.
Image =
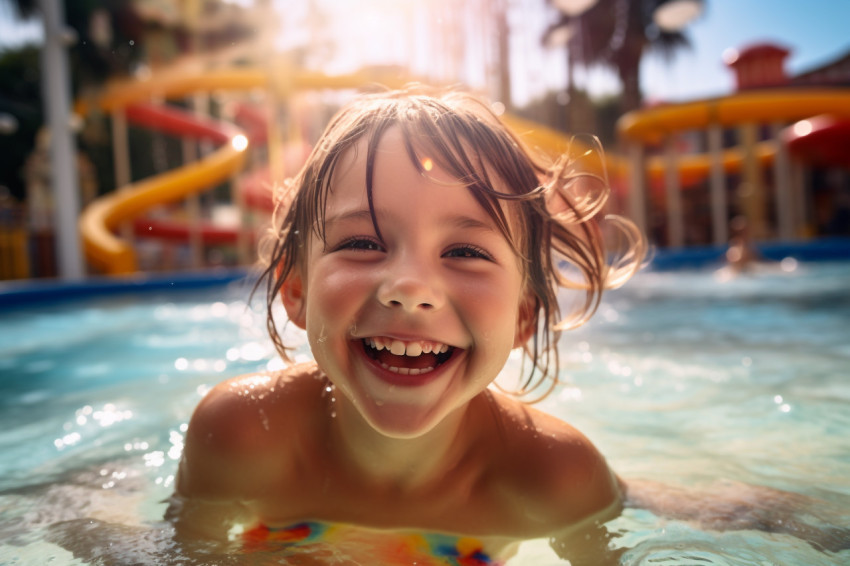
815,31
14,32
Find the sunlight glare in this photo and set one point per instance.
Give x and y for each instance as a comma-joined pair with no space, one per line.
239,142
803,128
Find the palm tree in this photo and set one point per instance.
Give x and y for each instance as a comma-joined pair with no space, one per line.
92,62
22,8
615,34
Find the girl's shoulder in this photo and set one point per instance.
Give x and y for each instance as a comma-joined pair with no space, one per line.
559,474
241,433
253,404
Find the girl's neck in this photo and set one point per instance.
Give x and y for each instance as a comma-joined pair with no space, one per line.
396,463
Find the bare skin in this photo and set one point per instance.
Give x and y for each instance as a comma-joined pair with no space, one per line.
393,429
510,472
425,446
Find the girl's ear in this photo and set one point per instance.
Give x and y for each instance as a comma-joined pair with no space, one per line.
293,295
526,321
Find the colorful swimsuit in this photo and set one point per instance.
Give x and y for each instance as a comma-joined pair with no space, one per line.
385,548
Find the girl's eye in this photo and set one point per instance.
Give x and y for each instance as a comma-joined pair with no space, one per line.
467,251
360,244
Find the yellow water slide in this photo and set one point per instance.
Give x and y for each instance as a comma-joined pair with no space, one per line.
98,224
107,252
101,219
749,113
778,105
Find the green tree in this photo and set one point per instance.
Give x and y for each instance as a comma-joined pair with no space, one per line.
615,34
23,8
92,63
20,97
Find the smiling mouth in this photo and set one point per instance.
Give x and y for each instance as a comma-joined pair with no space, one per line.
407,358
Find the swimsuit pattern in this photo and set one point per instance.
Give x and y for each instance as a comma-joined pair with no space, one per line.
425,548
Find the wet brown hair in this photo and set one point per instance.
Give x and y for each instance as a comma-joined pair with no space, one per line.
553,227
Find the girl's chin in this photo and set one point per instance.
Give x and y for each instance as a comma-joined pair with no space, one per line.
401,422
403,411
404,406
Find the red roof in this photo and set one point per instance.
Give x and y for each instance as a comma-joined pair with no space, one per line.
755,51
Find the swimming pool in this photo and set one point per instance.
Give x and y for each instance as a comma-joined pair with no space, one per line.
679,378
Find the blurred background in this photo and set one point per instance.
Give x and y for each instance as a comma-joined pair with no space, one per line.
147,135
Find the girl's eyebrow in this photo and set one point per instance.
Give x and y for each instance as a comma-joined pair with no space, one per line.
459,221
357,214
469,223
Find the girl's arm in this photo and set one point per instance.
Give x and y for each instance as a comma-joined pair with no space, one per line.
230,459
588,543
727,506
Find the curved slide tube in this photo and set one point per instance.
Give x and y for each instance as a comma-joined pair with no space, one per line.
649,126
107,252
114,256
692,168
103,249
180,231
822,140
764,106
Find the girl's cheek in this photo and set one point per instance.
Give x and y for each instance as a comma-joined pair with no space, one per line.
337,288
489,294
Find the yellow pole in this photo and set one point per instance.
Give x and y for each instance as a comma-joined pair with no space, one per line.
673,188
751,192
719,206
782,185
637,186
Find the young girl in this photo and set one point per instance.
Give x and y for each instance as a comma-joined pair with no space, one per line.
419,245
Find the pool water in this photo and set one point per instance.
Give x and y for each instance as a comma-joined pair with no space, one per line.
682,377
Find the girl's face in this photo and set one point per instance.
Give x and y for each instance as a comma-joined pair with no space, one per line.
412,326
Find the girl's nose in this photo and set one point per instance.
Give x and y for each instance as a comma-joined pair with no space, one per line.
410,288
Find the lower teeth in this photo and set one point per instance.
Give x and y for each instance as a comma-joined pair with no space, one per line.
407,371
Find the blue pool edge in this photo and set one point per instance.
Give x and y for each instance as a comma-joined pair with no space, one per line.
48,291
823,249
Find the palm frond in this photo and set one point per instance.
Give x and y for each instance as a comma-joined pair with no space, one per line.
668,44
22,8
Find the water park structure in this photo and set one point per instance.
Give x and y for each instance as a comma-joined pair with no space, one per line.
802,123
240,119
764,136
129,102
746,113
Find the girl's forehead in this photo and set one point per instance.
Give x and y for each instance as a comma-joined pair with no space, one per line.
395,163
433,158
392,160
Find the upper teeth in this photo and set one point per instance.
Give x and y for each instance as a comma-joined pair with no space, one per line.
402,348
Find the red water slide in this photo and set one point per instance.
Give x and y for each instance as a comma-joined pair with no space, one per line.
180,123
822,141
